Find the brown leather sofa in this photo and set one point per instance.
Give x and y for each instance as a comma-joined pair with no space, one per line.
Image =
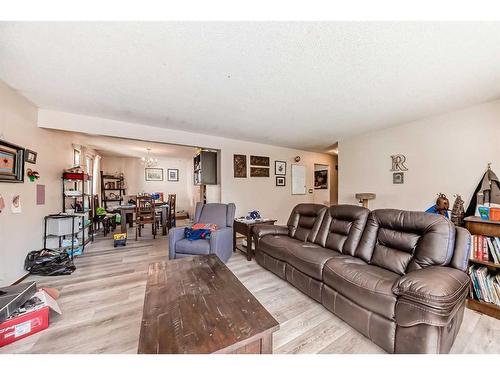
398,277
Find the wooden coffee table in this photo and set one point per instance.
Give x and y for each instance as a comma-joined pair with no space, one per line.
197,305
246,228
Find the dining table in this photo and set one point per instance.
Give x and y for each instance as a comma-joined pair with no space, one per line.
130,209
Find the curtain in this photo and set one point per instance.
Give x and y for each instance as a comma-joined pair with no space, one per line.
96,179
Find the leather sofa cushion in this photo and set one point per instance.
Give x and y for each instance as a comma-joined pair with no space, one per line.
405,241
342,228
305,221
367,285
198,247
310,258
277,246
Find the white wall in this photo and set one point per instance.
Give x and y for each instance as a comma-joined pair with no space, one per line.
21,233
447,154
133,171
247,194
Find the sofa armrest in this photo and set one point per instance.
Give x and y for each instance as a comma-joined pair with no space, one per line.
221,240
261,230
462,249
174,235
431,295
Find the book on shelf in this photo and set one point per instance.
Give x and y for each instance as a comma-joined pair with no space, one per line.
485,285
485,248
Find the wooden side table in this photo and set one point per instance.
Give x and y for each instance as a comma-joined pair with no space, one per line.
246,228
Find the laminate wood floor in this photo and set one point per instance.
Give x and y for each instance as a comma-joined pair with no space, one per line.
102,308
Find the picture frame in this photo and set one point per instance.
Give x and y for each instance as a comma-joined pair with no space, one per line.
259,172
173,175
259,161
240,166
280,181
398,178
321,179
280,168
153,174
11,162
30,156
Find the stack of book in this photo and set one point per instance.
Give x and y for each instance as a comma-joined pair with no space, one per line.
485,285
485,248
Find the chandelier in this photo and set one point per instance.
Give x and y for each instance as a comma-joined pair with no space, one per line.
149,161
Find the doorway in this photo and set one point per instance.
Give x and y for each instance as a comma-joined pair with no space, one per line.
322,184
326,183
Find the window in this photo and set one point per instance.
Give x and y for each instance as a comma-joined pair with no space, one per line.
76,157
89,165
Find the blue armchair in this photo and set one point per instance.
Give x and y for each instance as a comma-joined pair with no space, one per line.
221,240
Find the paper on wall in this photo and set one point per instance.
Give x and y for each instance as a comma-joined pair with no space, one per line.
16,204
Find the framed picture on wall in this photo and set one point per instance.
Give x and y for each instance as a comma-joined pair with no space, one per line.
280,181
30,156
398,178
172,175
240,166
280,168
154,174
321,179
260,161
259,172
11,162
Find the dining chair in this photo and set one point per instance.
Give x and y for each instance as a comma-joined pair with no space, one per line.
145,214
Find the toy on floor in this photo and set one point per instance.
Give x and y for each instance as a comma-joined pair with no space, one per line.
120,239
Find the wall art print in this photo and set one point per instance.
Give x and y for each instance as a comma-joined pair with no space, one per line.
240,166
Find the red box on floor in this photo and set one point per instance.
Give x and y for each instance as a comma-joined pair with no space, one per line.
23,326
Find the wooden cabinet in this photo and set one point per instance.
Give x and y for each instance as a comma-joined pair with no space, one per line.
205,168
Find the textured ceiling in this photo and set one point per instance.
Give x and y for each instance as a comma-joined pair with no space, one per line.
302,85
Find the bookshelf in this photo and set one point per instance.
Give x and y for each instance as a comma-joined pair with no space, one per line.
77,196
478,226
112,189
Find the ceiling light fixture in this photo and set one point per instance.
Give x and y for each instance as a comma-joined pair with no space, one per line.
149,161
